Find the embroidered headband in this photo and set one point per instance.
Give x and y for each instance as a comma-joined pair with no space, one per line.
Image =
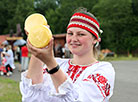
86,22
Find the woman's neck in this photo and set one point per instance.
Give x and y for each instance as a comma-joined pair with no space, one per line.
84,59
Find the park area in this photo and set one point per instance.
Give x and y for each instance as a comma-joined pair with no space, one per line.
117,39
125,90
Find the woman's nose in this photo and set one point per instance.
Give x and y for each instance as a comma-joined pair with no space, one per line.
74,38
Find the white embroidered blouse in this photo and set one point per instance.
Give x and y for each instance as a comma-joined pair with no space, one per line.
90,83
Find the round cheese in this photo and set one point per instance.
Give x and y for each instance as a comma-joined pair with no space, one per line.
33,20
39,36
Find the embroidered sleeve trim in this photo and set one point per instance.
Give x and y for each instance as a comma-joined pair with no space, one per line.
101,82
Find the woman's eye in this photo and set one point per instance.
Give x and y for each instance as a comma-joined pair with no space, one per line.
70,33
81,34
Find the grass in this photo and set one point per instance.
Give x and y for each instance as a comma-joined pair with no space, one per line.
9,90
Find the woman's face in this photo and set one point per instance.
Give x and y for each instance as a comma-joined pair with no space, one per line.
79,41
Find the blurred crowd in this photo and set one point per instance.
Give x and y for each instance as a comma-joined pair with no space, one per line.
11,54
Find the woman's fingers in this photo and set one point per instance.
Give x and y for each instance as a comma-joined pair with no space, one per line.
50,44
26,32
30,47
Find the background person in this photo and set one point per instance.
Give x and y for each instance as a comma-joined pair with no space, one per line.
9,60
58,50
80,79
24,58
67,51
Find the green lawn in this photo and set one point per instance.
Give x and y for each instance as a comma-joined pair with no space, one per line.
9,90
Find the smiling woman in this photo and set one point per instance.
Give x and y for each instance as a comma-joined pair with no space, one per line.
51,79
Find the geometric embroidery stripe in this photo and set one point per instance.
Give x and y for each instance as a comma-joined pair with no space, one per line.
85,22
75,71
76,74
86,16
86,19
100,90
79,73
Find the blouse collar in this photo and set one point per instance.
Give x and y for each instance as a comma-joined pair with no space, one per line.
70,63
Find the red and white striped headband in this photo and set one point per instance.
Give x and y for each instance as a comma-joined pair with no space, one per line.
86,22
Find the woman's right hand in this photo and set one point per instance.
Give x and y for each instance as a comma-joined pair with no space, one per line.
26,32
45,54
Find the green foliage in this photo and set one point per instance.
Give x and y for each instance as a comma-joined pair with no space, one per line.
7,9
43,5
135,7
13,13
23,9
119,24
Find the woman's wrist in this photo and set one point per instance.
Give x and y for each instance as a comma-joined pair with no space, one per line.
51,64
53,70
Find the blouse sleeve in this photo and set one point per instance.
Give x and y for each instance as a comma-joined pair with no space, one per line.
45,92
92,87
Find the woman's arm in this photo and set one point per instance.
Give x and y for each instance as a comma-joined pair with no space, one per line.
35,70
46,56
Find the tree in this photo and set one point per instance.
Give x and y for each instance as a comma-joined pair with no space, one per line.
7,9
13,13
42,6
117,20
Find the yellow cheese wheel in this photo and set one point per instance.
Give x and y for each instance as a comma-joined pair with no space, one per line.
39,36
33,20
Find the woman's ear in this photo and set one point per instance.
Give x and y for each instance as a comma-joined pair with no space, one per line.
94,41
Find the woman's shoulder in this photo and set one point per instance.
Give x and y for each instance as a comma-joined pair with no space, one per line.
105,68
101,67
104,64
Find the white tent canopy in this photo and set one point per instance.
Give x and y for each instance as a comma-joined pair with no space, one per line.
5,42
19,42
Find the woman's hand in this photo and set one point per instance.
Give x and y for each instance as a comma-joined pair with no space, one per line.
44,54
26,32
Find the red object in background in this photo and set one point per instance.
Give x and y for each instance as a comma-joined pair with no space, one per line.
24,50
2,67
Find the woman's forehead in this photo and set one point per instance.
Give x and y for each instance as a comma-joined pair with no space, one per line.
77,29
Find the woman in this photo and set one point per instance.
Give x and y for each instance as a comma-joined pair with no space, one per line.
80,79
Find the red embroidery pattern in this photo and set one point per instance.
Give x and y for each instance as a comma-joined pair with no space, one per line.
44,70
101,82
75,71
